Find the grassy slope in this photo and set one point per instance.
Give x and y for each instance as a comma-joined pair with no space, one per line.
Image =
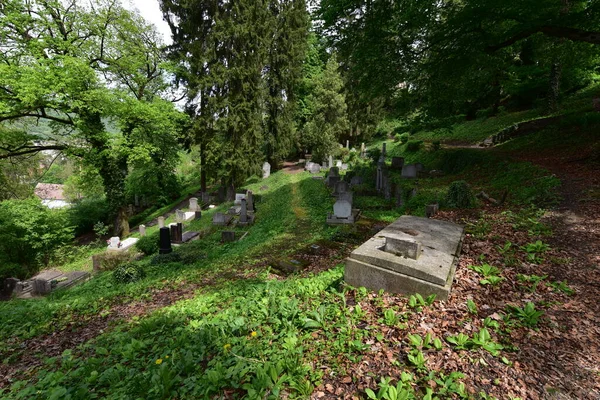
253,336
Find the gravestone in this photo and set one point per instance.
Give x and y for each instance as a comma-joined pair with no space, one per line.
340,187
194,204
419,167
165,241
41,286
397,163
343,213
331,161
380,172
221,219
356,180
114,243
161,222
315,168
363,150
142,229
177,233
348,196
245,217
342,209
266,168
205,196
332,181
384,149
221,194
431,209
308,166
348,144
412,255
227,236
338,163
250,201
409,171
239,197
179,216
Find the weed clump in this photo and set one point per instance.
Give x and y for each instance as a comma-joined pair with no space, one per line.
460,195
129,272
160,259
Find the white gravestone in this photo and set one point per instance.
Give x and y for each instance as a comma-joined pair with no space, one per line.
194,204
266,170
114,243
142,230
161,222
342,209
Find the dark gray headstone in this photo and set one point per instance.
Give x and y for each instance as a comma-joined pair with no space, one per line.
221,194
227,236
165,241
409,171
250,201
397,163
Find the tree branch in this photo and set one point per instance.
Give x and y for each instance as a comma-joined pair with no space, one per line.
574,34
30,150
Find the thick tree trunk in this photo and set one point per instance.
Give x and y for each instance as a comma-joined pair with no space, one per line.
121,226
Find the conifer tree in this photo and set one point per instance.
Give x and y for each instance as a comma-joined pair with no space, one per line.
289,22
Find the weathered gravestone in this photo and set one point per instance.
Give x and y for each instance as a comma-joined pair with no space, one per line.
348,196
356,180
343,213
238,198
221,219
245,217
397,163
142,230
161,222
340,187
194,204
315,168
431,209
250,201
363,151
409,171
412,255
177,233
266,168
419,167
116,244
227,236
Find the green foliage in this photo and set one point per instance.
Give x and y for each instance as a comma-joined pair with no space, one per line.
436,145
169,258
148,244
562,287
528,315
471,306
128,273
491,274
404,139
481,340
84,214
460,195
30,233
417,301
535,250
533,279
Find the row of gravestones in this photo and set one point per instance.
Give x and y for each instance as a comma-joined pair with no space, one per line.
343,211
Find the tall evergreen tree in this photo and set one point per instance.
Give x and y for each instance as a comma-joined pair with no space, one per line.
289,22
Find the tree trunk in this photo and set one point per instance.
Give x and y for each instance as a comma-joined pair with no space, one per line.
121,227
554,92
203,167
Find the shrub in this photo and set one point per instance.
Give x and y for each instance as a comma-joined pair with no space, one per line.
396,138
460,195
110,260
30,233
374,153
404,137
149,244
436,145
129,272
86,213
413,145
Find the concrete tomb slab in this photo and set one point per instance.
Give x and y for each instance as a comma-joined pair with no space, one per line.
412,255
117,245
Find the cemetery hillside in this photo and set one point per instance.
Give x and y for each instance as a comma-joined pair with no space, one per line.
291,199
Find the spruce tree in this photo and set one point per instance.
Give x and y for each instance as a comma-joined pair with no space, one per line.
289,24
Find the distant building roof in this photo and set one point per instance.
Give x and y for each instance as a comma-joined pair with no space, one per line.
50,191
